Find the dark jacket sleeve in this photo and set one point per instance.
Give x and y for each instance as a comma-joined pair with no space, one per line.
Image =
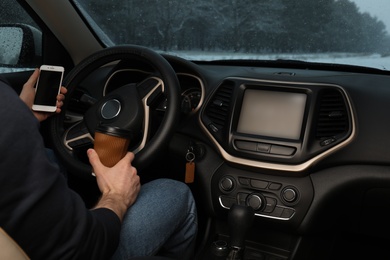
37,209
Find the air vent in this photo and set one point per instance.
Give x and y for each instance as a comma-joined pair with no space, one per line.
332,120
218,108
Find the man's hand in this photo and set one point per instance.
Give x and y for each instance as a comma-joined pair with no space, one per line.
119,185
28,94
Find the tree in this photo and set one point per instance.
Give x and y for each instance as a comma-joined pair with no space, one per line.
252,26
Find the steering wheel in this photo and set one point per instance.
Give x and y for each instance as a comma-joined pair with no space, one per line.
127,107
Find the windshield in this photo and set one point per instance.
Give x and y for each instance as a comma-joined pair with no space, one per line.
352,32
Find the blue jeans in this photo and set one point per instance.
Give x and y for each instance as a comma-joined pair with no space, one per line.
162,221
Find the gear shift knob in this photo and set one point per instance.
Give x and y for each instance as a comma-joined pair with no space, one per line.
240,219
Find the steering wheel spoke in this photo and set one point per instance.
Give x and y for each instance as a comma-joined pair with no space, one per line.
150,88
77,136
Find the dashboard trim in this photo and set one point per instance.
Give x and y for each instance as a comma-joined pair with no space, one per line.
279,166
202,89
263,215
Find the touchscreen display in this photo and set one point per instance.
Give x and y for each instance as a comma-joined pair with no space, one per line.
272,113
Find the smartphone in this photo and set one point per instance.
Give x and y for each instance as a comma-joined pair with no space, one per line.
47,88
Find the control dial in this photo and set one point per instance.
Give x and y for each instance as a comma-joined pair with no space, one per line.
226,184
290,195
256,201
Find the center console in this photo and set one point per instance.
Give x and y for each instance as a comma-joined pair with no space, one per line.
269,134
284,126
272,197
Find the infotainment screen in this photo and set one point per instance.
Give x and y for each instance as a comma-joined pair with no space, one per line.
272,113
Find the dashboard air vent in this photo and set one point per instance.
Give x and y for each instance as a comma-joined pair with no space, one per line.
332,117
218,108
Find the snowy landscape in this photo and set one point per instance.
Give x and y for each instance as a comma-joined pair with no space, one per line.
377,61
367,60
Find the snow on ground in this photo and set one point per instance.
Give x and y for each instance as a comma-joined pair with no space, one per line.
368,60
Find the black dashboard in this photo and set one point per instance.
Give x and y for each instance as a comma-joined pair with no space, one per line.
332,146
299,144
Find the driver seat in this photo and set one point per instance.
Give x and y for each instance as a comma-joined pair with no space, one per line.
9,249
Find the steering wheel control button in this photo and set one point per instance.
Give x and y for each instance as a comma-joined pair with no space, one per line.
226,184
289,195
256,201
258,184
111,109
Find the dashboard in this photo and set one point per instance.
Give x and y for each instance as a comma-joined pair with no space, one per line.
289,142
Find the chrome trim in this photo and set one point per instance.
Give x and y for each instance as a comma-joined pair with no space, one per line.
108,102
117,71
66,142
146,110
279,166
202,90
264,216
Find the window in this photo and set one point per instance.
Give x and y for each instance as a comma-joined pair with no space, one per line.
21,40
340,32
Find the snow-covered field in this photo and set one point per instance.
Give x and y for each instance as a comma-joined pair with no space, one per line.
368,60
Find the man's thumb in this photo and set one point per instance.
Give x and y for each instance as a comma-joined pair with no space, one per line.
94,159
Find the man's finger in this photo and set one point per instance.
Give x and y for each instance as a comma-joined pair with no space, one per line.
129,157
94,160
33,78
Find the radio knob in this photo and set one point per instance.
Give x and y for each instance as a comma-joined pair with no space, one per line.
255,200
226,184
289,195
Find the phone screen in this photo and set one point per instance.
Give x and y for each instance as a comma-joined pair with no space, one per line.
47,89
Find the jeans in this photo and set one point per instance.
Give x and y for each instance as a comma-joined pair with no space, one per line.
162,221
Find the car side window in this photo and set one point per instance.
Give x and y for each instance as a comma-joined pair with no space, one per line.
20,38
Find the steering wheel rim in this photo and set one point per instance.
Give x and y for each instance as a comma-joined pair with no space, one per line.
168,124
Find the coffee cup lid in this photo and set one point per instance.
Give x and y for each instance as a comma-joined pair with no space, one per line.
114,131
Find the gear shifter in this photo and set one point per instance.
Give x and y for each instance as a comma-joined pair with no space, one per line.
240,219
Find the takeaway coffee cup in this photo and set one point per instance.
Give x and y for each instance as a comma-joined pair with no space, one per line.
111,144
